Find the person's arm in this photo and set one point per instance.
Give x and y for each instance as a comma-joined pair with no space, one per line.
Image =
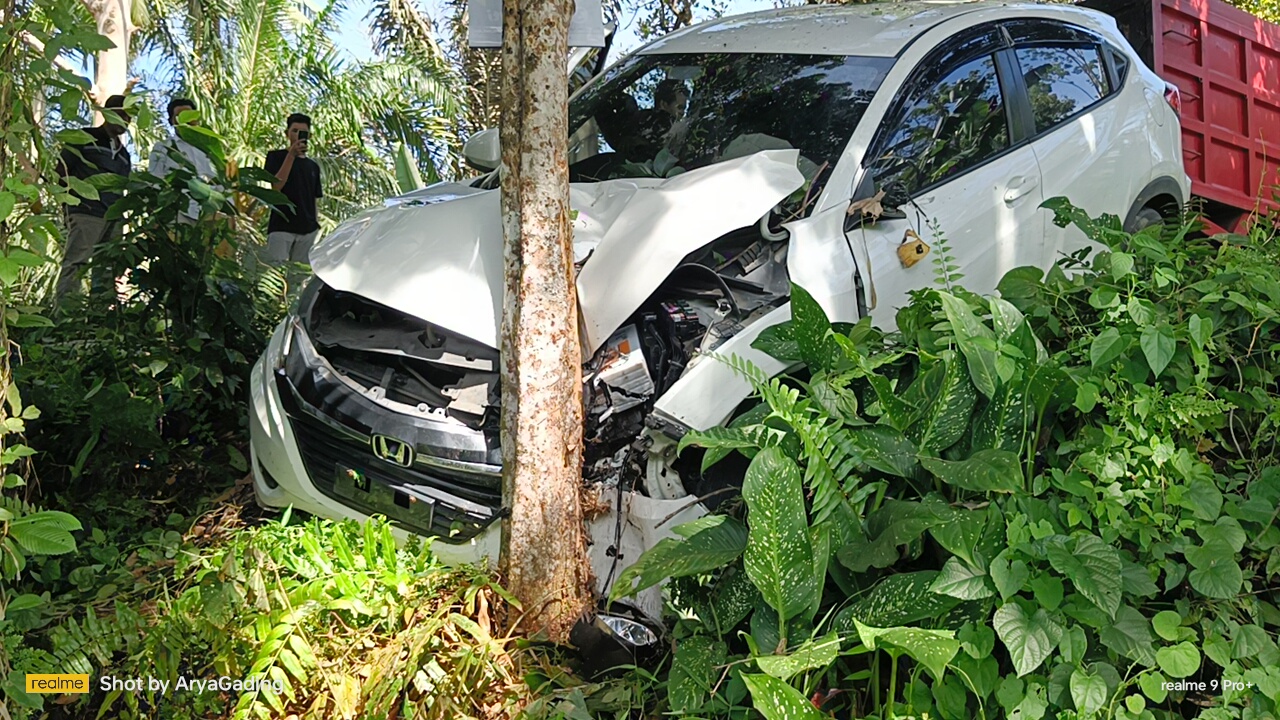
286,167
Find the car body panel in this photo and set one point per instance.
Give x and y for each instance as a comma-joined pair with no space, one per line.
660,225
986,236
438,256
879,29
849,171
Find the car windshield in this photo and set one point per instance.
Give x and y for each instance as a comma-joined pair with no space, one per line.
659,115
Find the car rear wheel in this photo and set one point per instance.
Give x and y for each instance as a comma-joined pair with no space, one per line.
1147,217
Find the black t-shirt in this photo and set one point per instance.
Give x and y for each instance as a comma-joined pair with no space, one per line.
302,188
102,155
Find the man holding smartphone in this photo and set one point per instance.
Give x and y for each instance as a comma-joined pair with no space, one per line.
292,231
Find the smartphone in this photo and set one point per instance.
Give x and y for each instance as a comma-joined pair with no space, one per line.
304,134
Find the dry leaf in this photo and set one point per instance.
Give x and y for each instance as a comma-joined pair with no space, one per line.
868,206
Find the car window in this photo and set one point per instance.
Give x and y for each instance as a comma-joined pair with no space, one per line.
1119,67
657,115
944,126
1062,80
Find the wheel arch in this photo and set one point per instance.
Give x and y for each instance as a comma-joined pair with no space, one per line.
1160,192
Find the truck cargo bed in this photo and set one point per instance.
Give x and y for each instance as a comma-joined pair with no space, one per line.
1226,64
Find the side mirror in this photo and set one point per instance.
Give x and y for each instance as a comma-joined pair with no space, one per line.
482,150
896,195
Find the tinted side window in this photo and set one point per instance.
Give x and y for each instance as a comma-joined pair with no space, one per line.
1119,67
1062,81
945,126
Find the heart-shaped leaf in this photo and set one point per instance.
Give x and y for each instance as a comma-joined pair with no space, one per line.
1226,530
1106,347
1158,345
1166,624
1093,568
1216,573
977,640
961,580
1153,686
1088,691
1009,576
1029,638
1130,635
1181,660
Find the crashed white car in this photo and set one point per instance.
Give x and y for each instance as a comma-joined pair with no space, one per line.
709,171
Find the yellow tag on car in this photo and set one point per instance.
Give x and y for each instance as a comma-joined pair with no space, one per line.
912,250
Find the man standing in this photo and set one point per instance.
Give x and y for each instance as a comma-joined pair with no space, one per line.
87,226
292,231
164,157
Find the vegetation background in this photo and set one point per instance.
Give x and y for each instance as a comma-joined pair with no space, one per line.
129,544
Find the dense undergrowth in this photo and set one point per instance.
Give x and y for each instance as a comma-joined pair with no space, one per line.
156,567
1058,502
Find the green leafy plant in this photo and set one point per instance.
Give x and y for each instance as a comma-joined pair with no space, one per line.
1055,502
161,371
314,620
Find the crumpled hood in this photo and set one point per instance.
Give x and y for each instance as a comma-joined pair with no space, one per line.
436,253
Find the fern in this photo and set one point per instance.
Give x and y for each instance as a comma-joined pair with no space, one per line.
828,466
81,646
946,272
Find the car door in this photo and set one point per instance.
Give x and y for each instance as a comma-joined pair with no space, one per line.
952,143
1092,150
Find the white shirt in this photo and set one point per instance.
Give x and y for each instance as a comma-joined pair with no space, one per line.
160,164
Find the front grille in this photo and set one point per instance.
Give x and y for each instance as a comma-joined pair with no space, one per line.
451,506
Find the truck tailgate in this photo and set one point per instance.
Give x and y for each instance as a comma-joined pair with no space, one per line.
1226,63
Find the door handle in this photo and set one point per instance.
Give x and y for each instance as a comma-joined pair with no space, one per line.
1018,187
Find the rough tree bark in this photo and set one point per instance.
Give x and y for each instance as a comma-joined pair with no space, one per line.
544,550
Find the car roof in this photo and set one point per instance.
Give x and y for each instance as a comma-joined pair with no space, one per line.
880,29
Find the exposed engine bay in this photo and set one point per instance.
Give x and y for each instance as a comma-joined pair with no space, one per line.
712,295
417,368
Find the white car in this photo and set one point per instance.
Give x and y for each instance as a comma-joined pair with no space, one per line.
710,170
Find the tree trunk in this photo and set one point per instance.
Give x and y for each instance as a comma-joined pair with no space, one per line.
112,73
544,550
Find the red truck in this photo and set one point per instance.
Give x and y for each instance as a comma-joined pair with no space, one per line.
1225,66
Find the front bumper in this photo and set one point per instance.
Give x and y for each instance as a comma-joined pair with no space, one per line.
284,463
298,461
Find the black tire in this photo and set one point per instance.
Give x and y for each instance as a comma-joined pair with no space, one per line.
1145,218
